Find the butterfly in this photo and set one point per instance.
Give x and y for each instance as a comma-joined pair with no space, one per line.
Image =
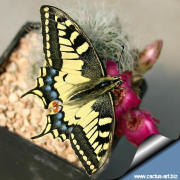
75,89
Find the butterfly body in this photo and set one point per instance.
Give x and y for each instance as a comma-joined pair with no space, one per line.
74,88
91,90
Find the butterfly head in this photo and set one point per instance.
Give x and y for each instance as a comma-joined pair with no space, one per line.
109,83
118,81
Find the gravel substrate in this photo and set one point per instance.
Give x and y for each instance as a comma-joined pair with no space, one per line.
26,116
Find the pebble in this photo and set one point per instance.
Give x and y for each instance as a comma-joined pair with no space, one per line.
13,87
3,100
26,112
11,114
71,158
2,118
12,68
19,92
23,85
13,98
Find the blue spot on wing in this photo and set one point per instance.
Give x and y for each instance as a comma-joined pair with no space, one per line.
59,115
47,88
58,123
48,80
53,94
63,128
52,71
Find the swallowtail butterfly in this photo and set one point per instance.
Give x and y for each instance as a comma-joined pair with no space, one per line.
76,90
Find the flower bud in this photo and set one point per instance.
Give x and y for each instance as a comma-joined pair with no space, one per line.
148,56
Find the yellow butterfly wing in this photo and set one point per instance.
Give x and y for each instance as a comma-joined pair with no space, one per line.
66,46
72,60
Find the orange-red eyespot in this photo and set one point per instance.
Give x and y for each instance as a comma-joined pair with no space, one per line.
54,106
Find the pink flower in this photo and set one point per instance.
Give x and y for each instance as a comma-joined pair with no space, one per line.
137,125
125,98
149,56
112,68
